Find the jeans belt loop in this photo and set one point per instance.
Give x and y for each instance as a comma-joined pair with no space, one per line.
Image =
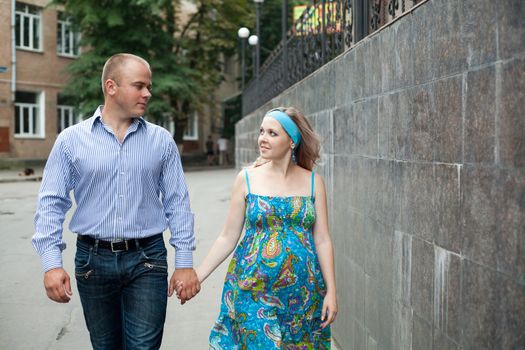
95,247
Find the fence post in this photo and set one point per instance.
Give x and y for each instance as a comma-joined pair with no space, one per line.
360,19
284,19
323,34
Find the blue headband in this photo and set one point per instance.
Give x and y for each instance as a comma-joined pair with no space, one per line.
287,123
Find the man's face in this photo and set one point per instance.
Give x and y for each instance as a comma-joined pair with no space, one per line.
133,90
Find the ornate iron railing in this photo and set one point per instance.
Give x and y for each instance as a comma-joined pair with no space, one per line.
316,39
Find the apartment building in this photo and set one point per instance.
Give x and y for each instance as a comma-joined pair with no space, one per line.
37,43
36,46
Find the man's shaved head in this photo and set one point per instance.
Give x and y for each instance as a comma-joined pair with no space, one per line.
114,65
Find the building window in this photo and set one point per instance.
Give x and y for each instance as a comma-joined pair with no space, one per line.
65,114
28,27
66,117
29,115
166,122
67,38
192,129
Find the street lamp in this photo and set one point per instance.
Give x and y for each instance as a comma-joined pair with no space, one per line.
243,33
253,40
258,4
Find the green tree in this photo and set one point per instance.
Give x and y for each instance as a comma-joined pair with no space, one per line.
271,23
185,55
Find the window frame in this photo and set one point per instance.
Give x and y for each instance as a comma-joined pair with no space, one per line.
19,29
39,119
169,125
61,118
195,135
63,26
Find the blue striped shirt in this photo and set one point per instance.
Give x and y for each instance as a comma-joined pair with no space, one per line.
127,190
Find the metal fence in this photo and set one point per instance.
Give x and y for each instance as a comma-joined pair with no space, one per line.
324,30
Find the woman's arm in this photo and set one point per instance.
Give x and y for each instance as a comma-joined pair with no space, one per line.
325,252
229,236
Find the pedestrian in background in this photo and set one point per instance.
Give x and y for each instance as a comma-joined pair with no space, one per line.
127,181
210,150
222,144
279,291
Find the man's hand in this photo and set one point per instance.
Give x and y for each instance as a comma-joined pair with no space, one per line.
189,281
58,285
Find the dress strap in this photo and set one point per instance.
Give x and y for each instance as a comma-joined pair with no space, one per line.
247,181
313,178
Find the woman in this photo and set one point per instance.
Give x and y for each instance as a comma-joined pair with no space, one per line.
279,291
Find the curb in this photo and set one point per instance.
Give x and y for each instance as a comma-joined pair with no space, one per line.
21,179
189,168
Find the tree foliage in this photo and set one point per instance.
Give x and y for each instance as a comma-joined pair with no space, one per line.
271,23
185,50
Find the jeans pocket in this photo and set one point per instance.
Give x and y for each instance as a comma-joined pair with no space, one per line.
153,257
156,266
83,258
156,250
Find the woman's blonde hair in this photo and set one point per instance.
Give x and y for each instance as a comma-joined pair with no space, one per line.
308,150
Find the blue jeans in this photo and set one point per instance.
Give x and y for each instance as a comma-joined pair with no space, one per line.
124,295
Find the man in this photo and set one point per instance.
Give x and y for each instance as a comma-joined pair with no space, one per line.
128,184
222,143
210,150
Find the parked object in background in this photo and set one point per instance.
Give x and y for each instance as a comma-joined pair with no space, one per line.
27,172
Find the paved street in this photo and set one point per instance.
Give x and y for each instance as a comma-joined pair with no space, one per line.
28,320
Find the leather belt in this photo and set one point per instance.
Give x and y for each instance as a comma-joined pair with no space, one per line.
118,245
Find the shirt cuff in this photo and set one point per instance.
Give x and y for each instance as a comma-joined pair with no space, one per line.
183,259
51,259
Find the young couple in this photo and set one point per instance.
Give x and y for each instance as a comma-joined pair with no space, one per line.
279,292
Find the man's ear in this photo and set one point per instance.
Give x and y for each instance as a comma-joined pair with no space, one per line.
110,87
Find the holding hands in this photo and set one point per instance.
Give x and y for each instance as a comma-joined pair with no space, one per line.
185,283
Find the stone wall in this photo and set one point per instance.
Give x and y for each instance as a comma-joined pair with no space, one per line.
423,135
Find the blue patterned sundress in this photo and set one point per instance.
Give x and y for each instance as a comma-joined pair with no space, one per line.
274,290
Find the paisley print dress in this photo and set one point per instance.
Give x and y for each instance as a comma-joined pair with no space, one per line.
273,292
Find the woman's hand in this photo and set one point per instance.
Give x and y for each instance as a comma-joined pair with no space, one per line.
178,288
329,312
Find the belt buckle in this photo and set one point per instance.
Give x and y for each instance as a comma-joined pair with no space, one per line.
113,250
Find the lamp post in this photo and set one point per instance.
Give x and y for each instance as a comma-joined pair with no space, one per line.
253,40
243,33
284,30
258,4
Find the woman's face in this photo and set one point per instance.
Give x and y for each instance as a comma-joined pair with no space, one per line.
274,142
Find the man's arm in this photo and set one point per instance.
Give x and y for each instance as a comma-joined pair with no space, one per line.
177,209
53,203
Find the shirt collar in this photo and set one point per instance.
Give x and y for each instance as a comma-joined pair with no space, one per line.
97,118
